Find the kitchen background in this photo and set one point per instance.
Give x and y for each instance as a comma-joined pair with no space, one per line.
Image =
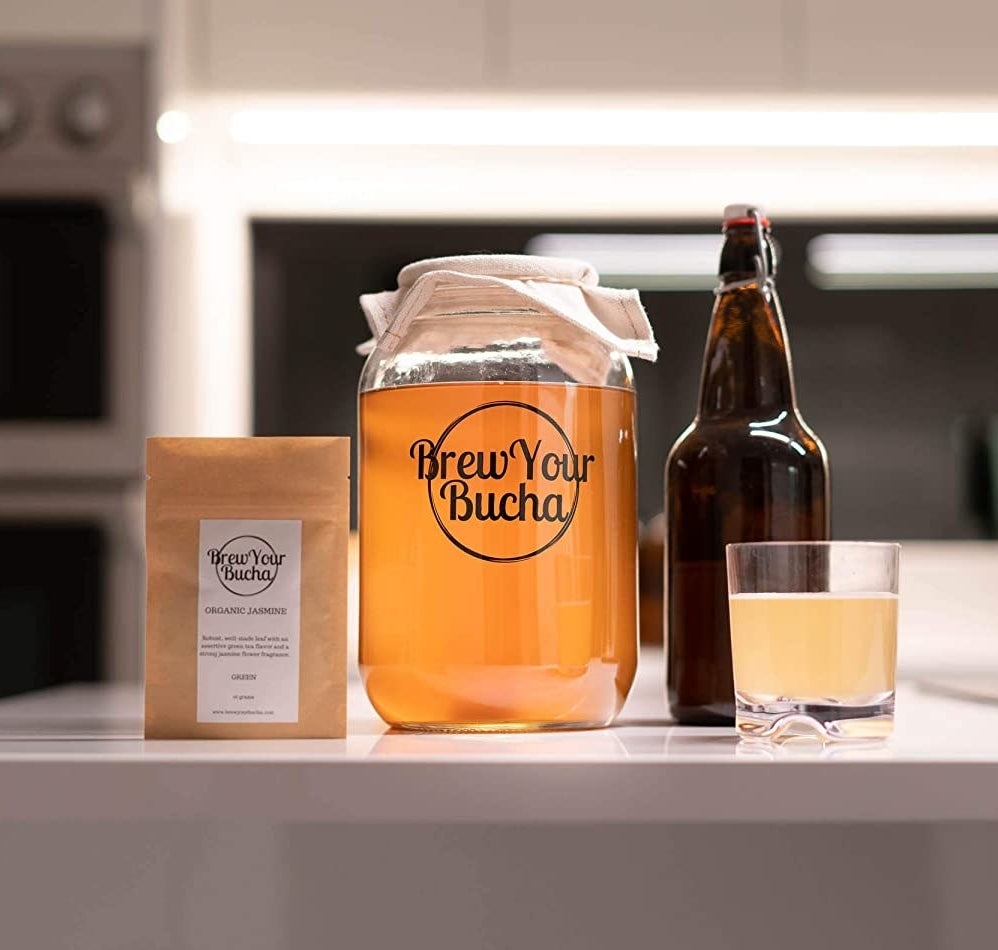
193,194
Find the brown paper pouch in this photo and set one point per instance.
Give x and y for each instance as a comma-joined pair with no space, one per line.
246,543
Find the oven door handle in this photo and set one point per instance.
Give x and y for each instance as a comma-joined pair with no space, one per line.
133,208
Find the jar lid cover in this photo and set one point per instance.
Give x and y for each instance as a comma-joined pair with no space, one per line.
562,286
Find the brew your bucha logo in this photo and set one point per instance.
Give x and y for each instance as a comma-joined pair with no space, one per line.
246,565
524,480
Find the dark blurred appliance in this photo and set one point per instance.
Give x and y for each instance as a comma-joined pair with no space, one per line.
75,156
71,581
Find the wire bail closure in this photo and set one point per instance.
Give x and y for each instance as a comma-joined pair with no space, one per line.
761,264
763,275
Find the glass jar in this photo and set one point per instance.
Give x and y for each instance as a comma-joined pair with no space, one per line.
498,518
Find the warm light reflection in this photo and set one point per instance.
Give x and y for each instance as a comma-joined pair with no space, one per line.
769,422
173,126
780,437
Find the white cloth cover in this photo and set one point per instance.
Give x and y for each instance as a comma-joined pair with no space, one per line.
568,288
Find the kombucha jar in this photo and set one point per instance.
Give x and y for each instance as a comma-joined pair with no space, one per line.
498,521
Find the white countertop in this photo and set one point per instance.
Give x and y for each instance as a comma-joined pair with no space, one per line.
74,753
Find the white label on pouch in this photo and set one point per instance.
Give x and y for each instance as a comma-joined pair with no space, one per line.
249,607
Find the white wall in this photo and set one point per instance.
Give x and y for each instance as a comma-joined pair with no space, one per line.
73,21
328,60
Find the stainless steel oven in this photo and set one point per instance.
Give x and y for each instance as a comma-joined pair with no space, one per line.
71,580
75,159
74,165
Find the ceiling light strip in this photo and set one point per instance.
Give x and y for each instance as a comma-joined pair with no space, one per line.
501,126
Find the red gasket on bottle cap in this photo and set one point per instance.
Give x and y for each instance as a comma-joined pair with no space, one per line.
743,222
740,215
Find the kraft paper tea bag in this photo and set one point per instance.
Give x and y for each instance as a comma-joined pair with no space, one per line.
246,544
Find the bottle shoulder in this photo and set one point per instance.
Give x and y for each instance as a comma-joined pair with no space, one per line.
710,440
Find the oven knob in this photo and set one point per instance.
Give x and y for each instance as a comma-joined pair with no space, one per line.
87,114
13,114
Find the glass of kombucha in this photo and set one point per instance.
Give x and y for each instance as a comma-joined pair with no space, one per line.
498,519
813,638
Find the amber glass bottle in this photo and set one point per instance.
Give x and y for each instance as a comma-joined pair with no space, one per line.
747,469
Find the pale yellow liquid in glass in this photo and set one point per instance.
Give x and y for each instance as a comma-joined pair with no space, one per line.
835,647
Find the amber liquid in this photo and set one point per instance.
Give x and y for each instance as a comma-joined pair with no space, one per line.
498,555
747,469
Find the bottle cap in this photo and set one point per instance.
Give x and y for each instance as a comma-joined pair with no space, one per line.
735,215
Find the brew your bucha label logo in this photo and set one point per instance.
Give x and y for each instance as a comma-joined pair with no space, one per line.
246,565
526,487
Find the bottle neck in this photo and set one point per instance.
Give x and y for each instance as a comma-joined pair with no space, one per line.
747,369
740,251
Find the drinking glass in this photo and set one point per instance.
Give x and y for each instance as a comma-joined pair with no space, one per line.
813,638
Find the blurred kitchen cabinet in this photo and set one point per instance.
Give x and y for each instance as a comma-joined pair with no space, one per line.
854,46
646,45
329,45
73,21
